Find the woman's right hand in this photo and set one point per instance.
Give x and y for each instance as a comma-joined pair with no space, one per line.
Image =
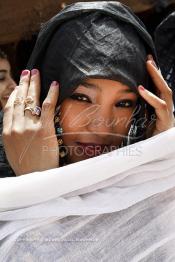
29,140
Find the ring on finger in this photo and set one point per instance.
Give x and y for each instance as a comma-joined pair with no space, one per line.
29,100
19,100
36,111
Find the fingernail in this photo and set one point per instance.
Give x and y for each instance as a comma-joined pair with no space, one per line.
151,60
54,83
149,57
141,88
154,64
34,72
25,72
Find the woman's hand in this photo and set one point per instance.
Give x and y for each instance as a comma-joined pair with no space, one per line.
29,140
162,101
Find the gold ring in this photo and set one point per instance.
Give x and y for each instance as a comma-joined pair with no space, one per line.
29,100
19,100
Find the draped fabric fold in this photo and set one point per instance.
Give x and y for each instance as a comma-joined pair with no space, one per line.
165,47
133,184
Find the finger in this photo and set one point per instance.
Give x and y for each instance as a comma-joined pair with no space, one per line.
163,88
8,112
164,118
33,95
21,95
49,105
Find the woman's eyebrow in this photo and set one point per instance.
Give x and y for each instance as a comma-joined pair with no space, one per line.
90,85
128,90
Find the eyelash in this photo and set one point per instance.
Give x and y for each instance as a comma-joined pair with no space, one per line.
127,103
84,98
80,97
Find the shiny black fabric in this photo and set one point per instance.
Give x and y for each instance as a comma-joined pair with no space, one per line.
165,46
92,39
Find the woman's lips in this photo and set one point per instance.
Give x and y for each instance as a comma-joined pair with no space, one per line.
92,149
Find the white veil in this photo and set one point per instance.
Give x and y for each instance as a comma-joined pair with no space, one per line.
110,183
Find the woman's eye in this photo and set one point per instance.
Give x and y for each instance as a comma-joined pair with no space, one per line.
2,77
125,103
80,97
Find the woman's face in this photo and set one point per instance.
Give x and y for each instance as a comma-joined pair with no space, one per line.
7,84
96,118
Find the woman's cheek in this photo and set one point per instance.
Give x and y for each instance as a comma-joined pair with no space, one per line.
76,117
2,88
73,120
122,122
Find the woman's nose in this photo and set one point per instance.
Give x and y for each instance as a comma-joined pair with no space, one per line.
102,122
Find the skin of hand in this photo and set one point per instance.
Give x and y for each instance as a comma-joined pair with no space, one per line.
27,137
7,84
162,103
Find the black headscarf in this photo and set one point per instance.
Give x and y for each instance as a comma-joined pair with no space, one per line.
165,46
92,39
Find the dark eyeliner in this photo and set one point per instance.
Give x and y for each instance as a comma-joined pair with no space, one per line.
124,102
80,97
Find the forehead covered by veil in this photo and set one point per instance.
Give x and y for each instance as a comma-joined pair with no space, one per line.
92,40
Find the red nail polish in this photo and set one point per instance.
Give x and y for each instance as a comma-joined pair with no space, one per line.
141,88
150,57
34,72
24,72
55,83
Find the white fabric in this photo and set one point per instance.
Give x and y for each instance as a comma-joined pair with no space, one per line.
112,183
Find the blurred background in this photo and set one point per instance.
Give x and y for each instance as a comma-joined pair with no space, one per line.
20,22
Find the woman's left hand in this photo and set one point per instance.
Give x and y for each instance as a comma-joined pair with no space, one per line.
162,103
